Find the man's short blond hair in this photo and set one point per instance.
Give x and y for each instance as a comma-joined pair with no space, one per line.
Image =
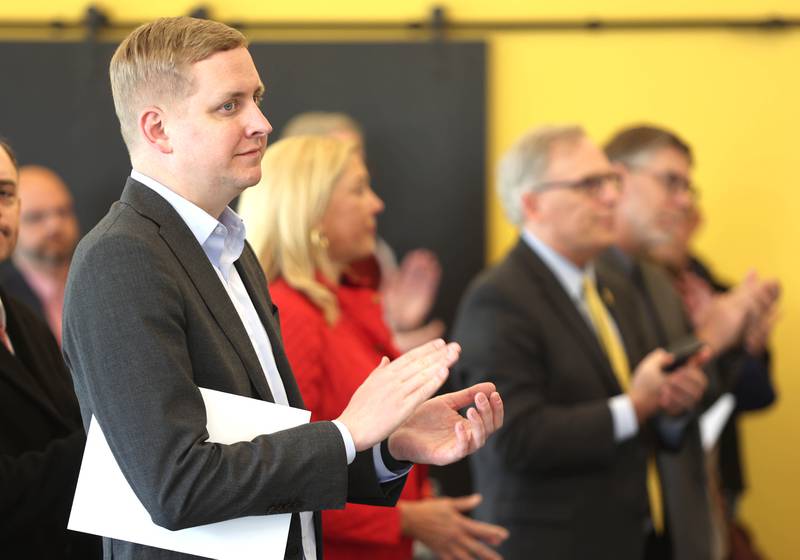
152,64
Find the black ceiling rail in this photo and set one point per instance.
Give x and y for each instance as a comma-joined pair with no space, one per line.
96,21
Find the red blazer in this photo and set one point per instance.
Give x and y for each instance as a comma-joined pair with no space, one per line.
329,363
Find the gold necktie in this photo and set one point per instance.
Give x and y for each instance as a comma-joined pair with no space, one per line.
615,352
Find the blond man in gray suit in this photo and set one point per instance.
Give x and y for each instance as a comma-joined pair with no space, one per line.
165,296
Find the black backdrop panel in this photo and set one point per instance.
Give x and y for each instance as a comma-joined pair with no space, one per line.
422,107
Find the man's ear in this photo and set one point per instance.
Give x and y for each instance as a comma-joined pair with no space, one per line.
153,129
529,202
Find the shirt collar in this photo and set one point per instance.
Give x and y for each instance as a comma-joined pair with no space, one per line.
222,239
568,275
46,287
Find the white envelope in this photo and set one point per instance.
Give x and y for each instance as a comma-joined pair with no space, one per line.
713,421
105,505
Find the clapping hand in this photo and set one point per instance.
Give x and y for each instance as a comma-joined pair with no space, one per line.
437,434
394,390
442,525
409,291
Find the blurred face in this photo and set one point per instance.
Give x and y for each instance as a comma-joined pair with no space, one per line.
675,253
48,229
574,210
9,206
656,198
217,136
350,221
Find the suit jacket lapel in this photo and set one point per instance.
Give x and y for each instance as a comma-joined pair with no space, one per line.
568,312
256,285
24,374
667,304
189,253
12,370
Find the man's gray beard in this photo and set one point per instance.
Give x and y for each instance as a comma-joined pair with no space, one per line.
46,260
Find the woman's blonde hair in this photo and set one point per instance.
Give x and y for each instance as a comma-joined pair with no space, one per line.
282,212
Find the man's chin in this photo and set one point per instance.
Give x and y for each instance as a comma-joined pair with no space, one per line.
250,179
51,259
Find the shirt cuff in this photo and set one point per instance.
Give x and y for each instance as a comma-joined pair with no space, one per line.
349,444
384,473
623,416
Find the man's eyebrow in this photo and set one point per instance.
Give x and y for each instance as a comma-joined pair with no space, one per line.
8,183
259,91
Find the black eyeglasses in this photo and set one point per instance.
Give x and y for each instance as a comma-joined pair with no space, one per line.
592,185
674,183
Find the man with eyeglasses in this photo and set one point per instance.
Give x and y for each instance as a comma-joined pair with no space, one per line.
41,435
657,205
656,198
48,234
572,474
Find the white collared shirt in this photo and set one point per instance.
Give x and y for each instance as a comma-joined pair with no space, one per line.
623,415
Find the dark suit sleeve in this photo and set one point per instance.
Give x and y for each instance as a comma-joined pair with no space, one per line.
544,427
127,342
37,485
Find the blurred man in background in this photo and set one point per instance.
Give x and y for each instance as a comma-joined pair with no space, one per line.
48,234
41,435
656,218
573,472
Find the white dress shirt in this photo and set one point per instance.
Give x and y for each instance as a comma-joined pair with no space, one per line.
222,241
570,277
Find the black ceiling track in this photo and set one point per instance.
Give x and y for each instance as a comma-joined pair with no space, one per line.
96,21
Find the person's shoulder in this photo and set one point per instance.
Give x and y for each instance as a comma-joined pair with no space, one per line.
507,280
291,301
303,326
121,221
23,313
32,332
119,234
8,270
123,256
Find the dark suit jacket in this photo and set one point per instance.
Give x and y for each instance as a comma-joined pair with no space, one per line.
147,322
553,474
748,378
682,470
41,444
15,285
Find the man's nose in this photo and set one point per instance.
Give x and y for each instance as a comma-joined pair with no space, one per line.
259,125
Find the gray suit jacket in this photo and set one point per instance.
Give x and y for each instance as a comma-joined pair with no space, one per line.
553,473
682,471
147,322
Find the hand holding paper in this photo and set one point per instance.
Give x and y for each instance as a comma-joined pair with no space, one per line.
106,505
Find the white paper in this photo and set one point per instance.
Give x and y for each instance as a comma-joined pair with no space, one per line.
105,504
713,420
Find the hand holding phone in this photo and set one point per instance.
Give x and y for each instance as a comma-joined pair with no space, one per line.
682,352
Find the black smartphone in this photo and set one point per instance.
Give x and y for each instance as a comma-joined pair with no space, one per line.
683,351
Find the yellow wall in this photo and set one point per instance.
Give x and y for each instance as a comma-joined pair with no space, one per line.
734,95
